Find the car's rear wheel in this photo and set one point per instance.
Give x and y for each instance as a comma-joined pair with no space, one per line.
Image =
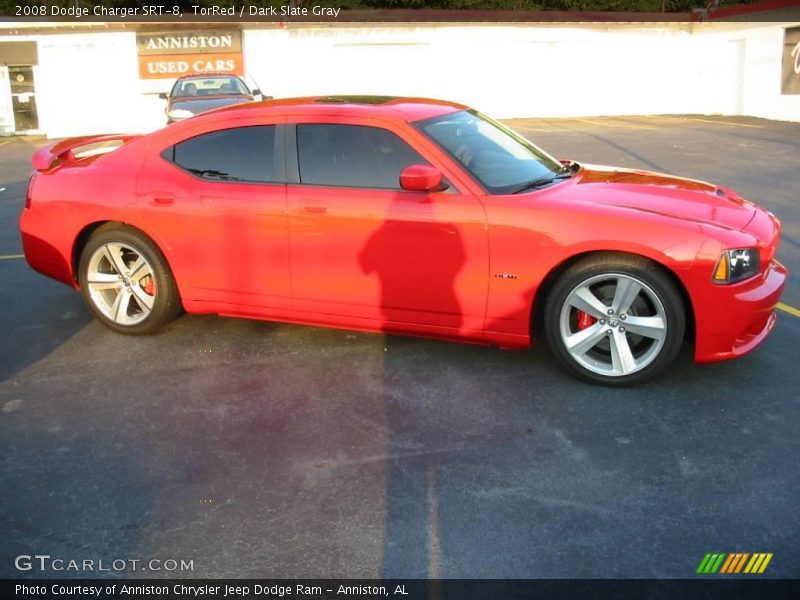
126,281
615,320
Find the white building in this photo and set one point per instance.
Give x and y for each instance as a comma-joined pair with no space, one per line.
67,79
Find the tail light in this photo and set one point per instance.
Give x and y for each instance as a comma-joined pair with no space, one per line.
30,191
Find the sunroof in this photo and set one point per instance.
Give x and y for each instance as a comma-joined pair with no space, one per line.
356,99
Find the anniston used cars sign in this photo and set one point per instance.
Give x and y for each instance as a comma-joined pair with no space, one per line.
175,53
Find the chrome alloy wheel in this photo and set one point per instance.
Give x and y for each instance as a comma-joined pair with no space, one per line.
613,324
121,283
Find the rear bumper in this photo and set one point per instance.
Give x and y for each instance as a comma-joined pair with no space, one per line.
43,256
733,320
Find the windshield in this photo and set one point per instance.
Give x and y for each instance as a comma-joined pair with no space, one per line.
209,86
501,160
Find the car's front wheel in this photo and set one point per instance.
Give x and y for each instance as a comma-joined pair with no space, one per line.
126,281
615,320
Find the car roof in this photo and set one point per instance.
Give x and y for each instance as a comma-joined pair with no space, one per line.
392,107
206,75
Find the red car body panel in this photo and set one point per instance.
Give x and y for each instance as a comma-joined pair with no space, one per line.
460,264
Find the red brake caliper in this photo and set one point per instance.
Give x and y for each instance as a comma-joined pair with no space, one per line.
585,320
150,287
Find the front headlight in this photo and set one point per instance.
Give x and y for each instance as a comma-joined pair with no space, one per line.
736,265
180,113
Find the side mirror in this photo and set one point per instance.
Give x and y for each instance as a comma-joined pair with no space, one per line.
421,178
256,93
163,96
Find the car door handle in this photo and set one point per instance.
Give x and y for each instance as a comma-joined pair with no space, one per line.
162,201
315,208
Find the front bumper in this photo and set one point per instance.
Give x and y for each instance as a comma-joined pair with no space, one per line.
171,120
734,319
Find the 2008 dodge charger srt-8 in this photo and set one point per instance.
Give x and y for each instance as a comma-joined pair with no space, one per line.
409,216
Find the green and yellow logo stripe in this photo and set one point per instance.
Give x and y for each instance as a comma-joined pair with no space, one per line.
734,562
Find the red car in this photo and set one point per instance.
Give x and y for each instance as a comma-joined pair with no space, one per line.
407,216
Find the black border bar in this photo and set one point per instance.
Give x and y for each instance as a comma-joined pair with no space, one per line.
727,588
764,11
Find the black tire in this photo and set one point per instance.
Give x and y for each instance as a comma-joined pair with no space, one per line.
658,302
139,319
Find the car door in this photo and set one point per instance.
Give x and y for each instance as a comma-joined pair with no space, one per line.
366,253
217,196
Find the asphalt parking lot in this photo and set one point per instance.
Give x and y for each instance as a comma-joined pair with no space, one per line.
268,450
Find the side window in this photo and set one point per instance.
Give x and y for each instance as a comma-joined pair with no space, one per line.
240,154
352,156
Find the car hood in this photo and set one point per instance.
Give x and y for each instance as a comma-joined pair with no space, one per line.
200,105
675,197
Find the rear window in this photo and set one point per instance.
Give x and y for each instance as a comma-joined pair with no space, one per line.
239,154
